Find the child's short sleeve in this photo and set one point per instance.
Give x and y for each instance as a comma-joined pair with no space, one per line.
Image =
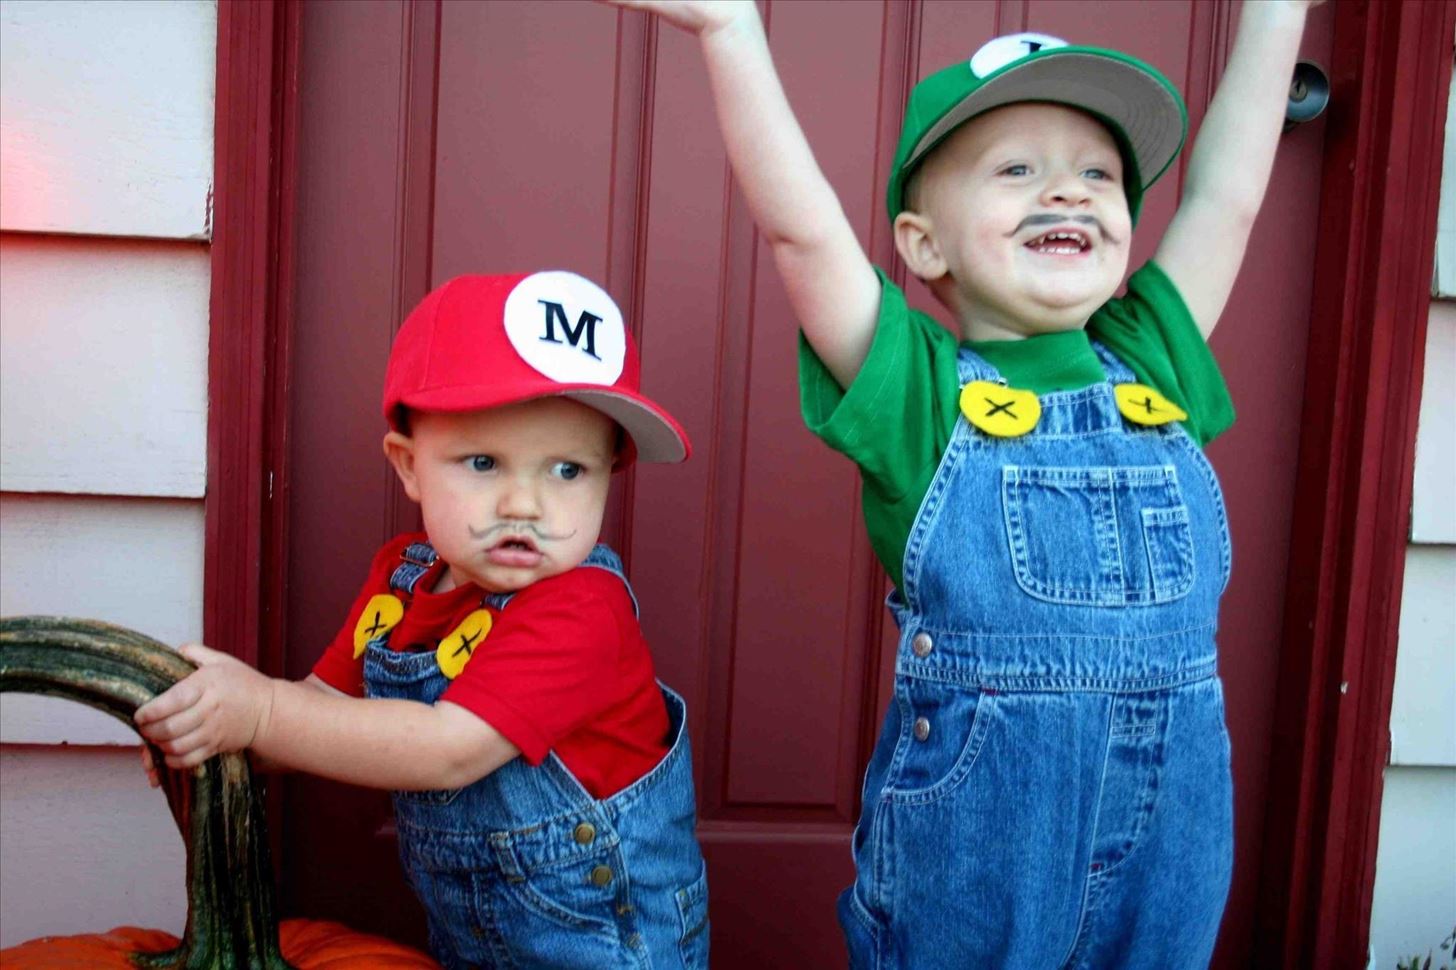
1151,330
908,382
338,667
553,661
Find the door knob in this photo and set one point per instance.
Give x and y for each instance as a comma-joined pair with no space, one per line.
1309,92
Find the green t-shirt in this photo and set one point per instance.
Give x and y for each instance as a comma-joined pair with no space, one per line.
909,383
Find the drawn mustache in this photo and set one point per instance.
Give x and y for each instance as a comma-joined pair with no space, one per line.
517,528
1039,219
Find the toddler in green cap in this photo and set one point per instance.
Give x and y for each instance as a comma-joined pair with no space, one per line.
1051,786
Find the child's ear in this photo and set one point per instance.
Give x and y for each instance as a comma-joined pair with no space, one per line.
400,450
916,245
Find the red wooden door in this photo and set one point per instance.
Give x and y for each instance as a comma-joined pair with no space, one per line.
437,139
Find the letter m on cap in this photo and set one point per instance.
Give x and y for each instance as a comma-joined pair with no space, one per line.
586,325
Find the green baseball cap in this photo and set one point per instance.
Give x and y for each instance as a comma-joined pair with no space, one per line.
1139,106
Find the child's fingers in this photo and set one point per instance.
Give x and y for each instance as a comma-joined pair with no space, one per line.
175,726
189,751
178,697
191,748
201,654
220,699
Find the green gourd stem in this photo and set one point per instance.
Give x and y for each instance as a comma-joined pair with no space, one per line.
231,922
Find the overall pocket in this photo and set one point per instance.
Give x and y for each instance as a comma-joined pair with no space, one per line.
1098,536
561,915
942,730
578,896
692,908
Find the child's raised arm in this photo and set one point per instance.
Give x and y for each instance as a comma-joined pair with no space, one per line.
833,288
1232,158
225,705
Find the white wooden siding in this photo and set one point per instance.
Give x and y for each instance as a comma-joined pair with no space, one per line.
1414,903
1423,709
133,562
106,125
106,117
1415,883
87,846
1433,513
103,366
1445,281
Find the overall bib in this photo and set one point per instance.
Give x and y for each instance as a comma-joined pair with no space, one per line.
1051,785
524,868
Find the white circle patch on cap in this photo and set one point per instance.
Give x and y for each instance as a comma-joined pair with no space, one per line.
566,327
1000,51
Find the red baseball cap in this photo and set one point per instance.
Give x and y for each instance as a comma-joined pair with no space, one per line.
480,342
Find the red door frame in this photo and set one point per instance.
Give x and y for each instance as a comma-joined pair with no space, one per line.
249,335
1381,180
1391,73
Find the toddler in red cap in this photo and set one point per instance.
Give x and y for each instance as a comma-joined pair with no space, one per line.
492,671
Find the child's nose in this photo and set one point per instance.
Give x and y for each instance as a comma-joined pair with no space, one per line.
1065,188
518,500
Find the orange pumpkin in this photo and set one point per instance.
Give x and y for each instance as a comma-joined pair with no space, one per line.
311,944
230,917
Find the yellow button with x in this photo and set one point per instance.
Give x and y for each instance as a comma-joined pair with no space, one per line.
455,650
1141,404
380,615
1004,412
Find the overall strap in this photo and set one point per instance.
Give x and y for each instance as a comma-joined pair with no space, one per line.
971,366
602,557
417,558
497,600
1117,371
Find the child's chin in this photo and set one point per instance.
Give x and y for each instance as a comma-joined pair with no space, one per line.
515,580
503,580
1069,306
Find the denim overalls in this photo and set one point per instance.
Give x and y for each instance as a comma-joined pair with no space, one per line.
524,868
1051,786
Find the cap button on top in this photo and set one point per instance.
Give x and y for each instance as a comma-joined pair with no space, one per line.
584,833
921,645
922,728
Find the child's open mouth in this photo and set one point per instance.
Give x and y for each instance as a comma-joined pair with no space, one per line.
515,551
1061,242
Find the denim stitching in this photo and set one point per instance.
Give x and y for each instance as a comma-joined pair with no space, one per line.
965,761
1147,792
1098,486
1220,508
1171,581
1084,912
1031,683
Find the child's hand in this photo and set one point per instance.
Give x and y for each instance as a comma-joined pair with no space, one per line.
695,16
221,707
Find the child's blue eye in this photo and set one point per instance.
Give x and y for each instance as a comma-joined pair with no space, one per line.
1017,169
1101,174
481,463
567,470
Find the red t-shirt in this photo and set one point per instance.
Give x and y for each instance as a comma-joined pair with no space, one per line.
563,667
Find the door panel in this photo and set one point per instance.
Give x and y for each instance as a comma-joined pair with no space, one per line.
445,138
